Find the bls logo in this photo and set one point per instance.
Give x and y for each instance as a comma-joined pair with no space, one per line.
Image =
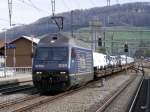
82,61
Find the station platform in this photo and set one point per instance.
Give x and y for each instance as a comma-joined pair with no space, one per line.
15,79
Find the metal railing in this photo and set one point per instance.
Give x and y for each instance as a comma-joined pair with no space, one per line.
11,71
23,70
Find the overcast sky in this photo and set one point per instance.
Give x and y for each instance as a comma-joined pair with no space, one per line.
27,11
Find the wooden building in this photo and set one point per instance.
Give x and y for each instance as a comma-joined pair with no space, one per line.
1,47
21,54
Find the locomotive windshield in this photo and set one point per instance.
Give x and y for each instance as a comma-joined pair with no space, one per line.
52,53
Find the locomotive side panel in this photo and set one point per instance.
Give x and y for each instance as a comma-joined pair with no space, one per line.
81,70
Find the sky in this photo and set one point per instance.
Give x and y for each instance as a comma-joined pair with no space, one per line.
28,11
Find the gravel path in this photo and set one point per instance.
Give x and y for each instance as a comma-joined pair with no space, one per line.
86,98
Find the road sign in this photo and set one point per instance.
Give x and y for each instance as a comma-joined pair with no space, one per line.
11,46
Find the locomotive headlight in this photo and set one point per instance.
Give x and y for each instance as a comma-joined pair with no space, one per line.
38,73
62,72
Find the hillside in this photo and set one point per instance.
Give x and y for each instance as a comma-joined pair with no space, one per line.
132,14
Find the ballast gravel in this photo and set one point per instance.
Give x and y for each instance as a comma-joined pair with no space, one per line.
121,103
82,100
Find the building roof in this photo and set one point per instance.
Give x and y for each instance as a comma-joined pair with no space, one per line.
35,40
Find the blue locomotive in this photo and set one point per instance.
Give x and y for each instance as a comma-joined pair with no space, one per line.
60,64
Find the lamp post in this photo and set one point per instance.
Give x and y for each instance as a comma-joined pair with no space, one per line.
32,47
5,55
5,48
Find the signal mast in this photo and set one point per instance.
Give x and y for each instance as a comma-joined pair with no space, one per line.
59,20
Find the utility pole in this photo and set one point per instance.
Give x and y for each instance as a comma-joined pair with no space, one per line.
95,26
117,1
10,23
72,24
93,34
108,5
5,55
104,33
32,48
91,25
53,7
59,20
10,11
112,43
108,2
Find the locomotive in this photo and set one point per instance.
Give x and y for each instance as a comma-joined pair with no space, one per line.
59,64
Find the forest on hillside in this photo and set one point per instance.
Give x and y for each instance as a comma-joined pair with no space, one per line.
131,14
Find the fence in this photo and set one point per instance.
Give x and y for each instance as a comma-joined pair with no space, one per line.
23,70
1,66
11,71
1,61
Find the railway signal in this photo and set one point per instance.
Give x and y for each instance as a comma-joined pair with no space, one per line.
99,41
126,47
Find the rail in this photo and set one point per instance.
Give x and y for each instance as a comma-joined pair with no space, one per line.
137,93
29,103
141,101
115,95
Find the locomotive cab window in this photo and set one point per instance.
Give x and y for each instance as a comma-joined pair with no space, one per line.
42,53
60,53
52,53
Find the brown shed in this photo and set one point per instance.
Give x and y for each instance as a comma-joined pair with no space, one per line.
1,43
21,56
1,47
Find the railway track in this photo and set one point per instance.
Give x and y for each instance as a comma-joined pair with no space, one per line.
31,102
14,89
110,100
141,102
14,84
18,100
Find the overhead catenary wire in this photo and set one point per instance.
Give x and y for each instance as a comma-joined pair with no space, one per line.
78,4
66,5
92,2
117,1
4,20
35,6
31,4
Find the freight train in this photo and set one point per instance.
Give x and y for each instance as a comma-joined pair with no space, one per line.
59,64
